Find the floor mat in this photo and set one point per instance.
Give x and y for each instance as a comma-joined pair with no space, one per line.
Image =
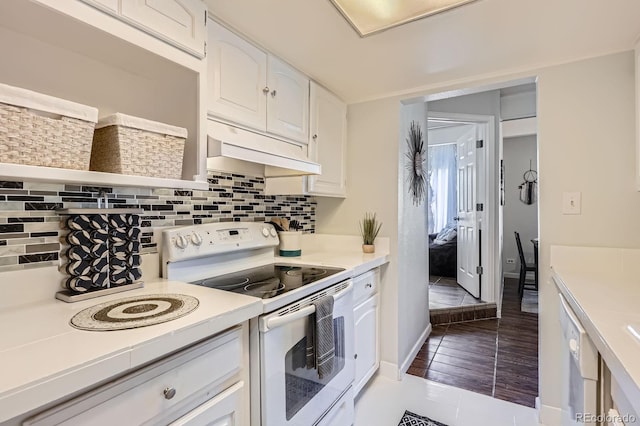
412,419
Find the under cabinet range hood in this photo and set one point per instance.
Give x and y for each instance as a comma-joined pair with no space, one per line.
233,149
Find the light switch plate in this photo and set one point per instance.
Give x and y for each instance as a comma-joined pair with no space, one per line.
572,203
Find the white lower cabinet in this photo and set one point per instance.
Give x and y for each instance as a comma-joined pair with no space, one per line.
222,410
366,315
203,384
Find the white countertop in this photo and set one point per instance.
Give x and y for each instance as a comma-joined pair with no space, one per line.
42,357
602,286
339,251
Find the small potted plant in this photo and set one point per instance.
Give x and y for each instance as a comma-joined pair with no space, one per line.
369,228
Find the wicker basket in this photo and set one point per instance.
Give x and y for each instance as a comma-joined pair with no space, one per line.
40,130
135,146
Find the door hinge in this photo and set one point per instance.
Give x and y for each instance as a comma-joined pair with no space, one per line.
479,270
480,144
479,207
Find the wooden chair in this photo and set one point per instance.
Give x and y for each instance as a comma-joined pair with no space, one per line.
524,268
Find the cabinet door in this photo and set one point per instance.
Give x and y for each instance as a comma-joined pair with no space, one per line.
287,101
366,345
237,76
180,22
224,409
328,143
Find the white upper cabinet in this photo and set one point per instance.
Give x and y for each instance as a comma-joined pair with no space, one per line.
178,22
237,76
287,101
253,89
327,143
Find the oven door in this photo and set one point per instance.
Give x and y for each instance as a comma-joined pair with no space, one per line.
291,394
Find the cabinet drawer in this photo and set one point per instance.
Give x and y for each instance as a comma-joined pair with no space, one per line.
166,389
224,409
365,285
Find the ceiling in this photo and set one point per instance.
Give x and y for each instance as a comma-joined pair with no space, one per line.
480,38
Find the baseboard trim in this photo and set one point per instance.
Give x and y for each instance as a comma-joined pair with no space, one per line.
415,349
389,370
548,415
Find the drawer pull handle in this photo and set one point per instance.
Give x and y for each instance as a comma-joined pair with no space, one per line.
368,285
169,393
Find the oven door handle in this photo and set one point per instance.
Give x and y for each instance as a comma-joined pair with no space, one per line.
267,324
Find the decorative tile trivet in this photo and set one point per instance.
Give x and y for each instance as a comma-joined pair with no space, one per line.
102,252
412,419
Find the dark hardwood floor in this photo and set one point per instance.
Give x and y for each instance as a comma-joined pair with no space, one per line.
495,357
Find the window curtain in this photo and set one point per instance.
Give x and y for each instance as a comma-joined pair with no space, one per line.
442,186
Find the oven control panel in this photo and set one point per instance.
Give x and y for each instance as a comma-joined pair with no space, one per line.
195,241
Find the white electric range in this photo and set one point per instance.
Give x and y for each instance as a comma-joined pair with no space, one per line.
239,257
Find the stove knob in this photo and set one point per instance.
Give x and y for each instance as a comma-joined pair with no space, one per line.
273,232
265,232
196,239
181,242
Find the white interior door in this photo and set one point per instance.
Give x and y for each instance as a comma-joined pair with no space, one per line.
468,248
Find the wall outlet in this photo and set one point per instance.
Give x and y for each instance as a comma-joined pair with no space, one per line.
511,261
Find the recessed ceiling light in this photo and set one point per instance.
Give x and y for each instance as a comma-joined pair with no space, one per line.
371,16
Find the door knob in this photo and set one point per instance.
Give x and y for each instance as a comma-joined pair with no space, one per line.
265,90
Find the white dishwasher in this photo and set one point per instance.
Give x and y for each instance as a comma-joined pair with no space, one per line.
580,371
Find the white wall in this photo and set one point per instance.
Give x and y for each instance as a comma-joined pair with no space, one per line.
413,246
518,105
444,135
376,135
576,153
372,181
518,217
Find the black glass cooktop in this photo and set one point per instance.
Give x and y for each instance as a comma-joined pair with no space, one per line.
270,280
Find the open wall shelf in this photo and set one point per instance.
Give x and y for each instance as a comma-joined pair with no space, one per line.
61,55
20,172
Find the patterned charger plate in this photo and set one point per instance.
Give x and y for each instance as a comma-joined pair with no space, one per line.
134,312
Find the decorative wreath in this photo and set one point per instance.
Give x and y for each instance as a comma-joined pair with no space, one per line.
415,163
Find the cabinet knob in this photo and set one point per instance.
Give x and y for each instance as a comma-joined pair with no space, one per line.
273,93
169,393
369,285
315,136
265,90
355,356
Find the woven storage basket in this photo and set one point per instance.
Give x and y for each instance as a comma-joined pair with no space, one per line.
40,130
135,146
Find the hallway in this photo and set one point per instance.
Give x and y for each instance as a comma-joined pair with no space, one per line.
494,357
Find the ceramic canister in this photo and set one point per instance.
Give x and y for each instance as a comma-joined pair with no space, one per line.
290,243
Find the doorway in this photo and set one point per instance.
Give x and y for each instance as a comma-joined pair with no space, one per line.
495,356
458,164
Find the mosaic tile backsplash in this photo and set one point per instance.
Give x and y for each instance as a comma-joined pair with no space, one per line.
30,227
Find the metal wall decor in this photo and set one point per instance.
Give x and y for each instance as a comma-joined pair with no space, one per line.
415,163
